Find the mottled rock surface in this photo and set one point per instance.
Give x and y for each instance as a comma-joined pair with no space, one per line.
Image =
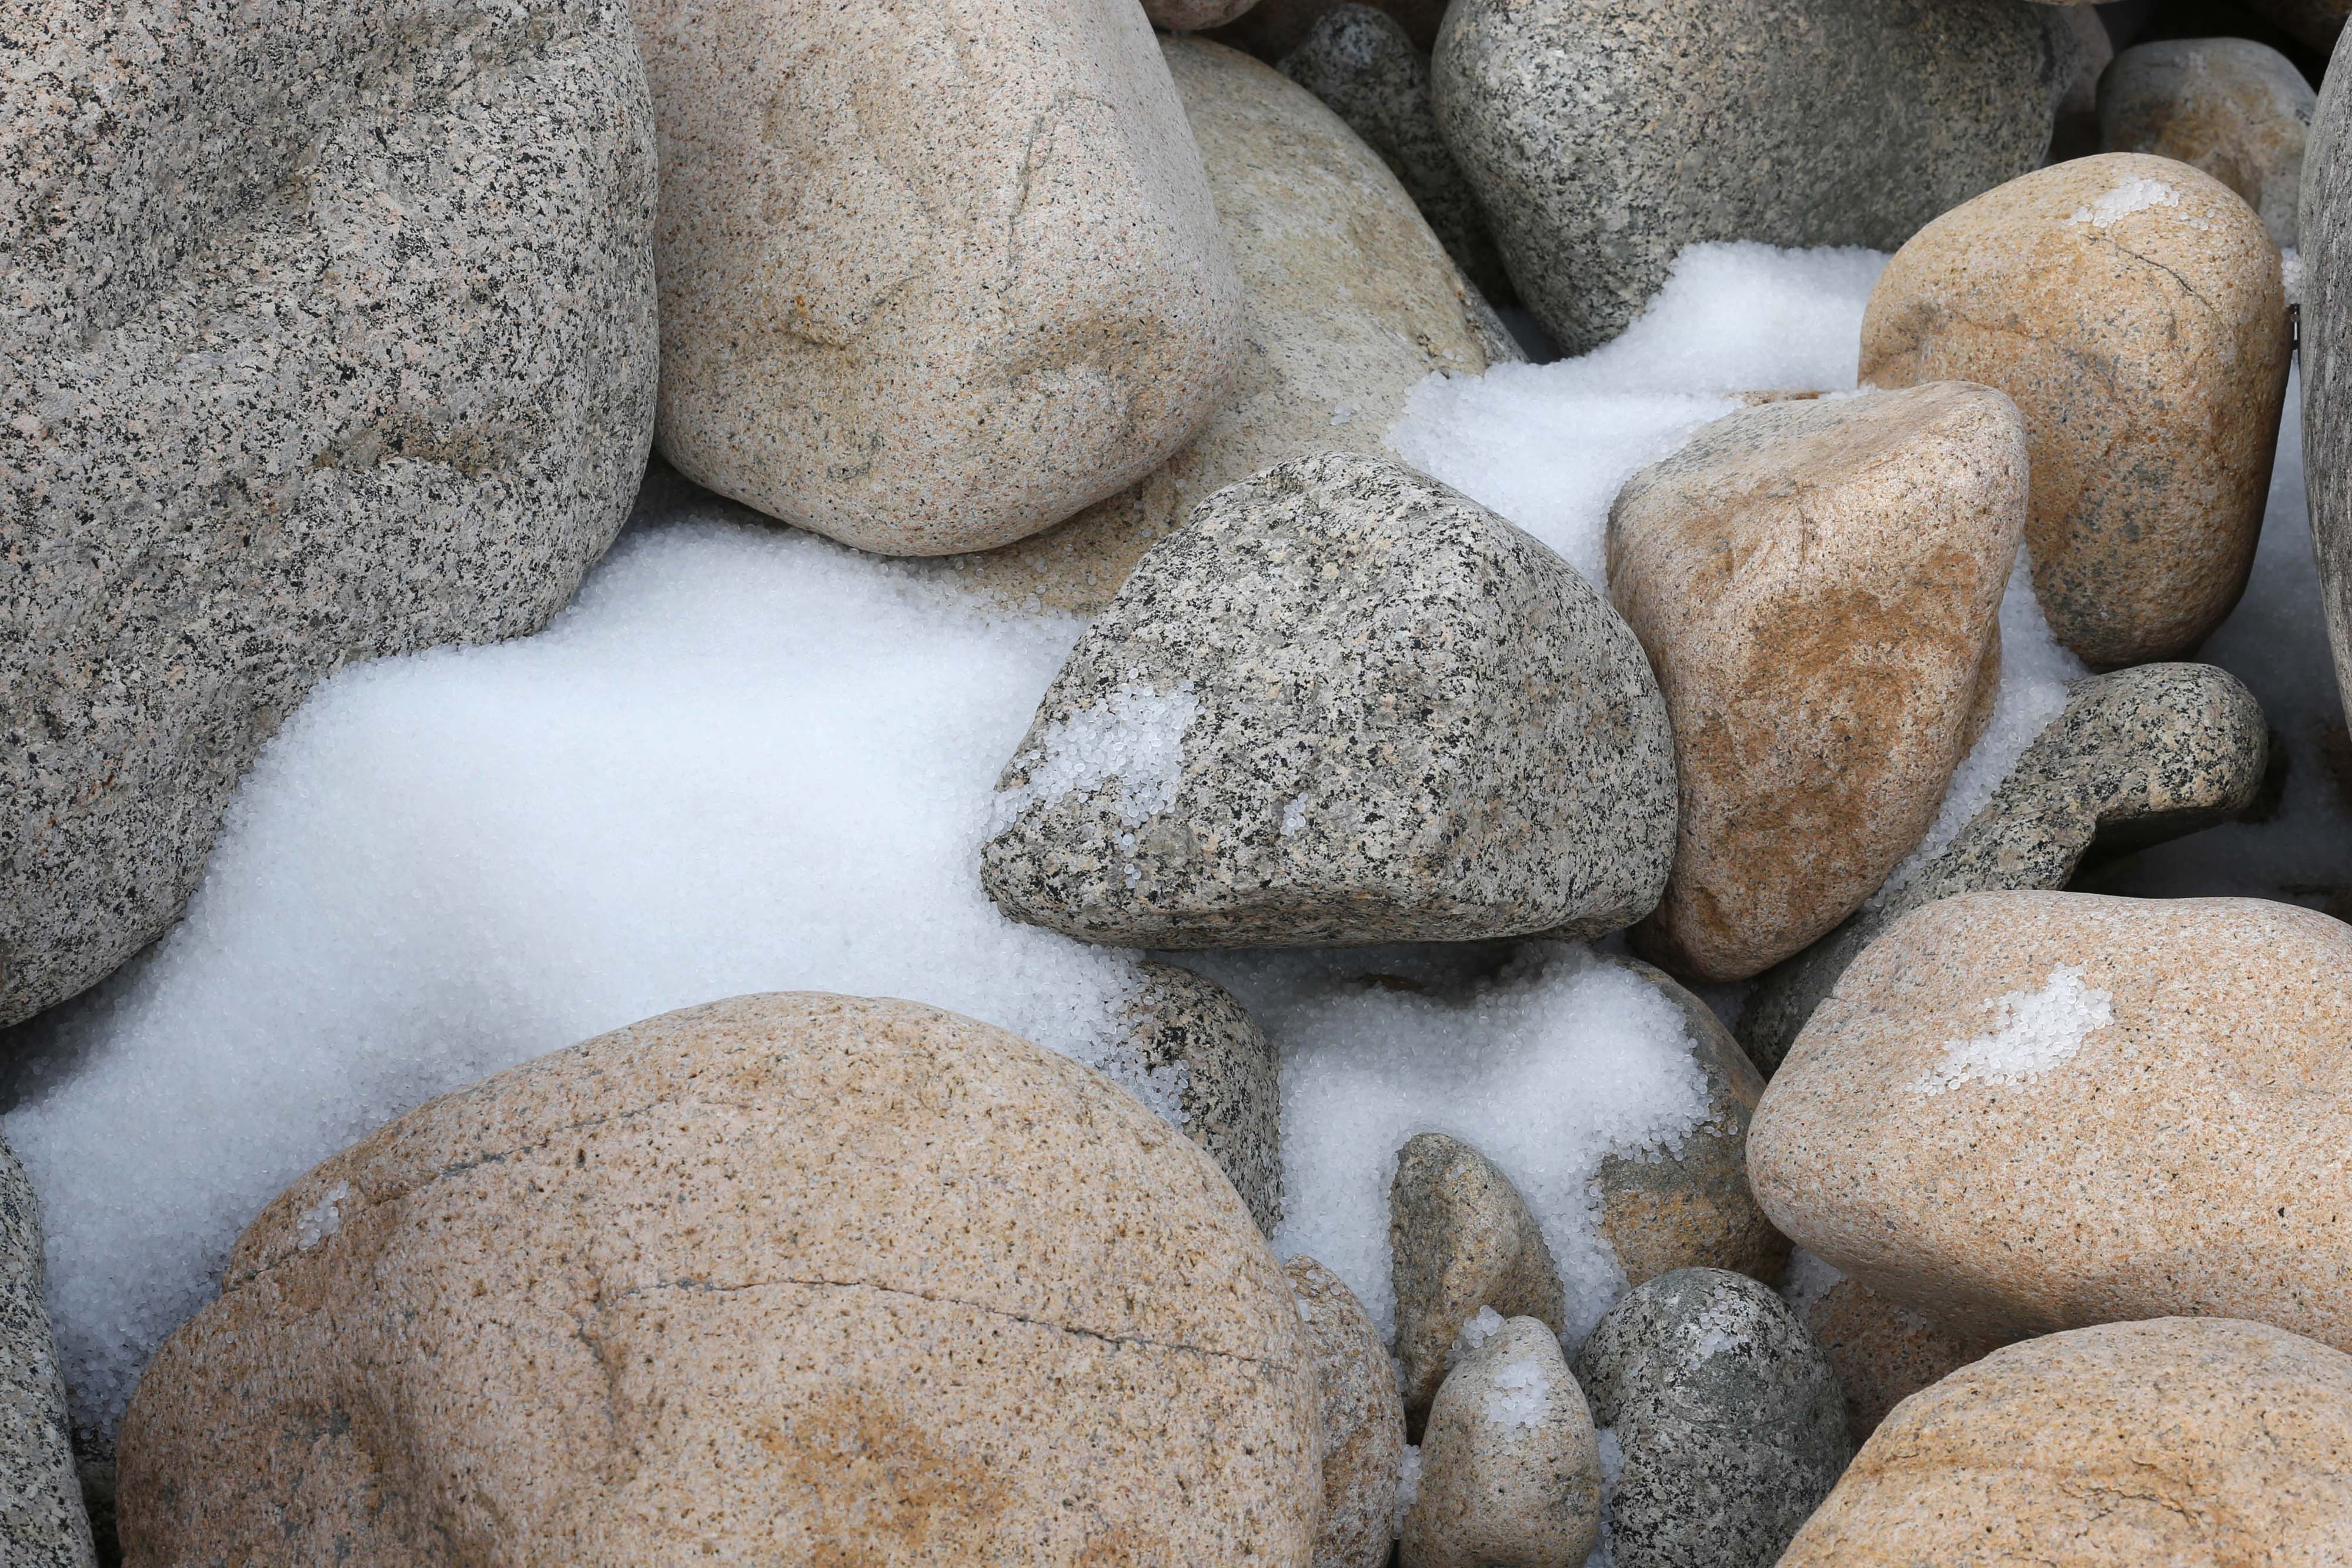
1358,61
792,1278
42,1521
1818,585
2179,1440
330,333
1688,1205
1363,1421
1730,1419
1511,1467
2323,219
2238,109
1344,703
2027,1111
1882,1352
1347,301
1186,1031
2138,757
2134,309
933,277
1460,1237
1183,15
1604,136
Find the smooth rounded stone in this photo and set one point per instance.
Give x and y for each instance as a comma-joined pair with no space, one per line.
1461,1238
43,1524
2324,220
2179,1440
1688,1204
1604,136
2316,24
2026,1112
1188,1032
1363,1422
2238,109
1729,1416
933,277
1272,28
329,335
1818,585
1348,301
1358,61
2134,309
1343,704
791,1278
1184,15
1510,1466
2135,758
1882,1352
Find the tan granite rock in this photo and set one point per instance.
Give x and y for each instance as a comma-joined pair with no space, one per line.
2236,109
933,277
1460,1237
1818,586
1881,1351
2134,309
1511,1467
2180,1440
1363,1420
1186,1030
2026,1112
1183,15
793,1277
1347,301
1688,1205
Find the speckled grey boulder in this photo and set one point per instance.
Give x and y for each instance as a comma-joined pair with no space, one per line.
1359,62
2324,221
1363,1423
1460,1237
1189,1033
1342,704
1510,1467
42,1523
1731,1423
2138,757
1688,1204
329,334
1603,136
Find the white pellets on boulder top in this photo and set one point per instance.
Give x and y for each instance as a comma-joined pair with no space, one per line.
2032,1032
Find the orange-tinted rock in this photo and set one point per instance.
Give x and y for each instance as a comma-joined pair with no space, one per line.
1363,1421
2236,109
1881,1351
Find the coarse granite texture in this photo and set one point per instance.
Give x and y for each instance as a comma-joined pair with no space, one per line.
2135,310
1348,301
42,1521
1358,61
2238,109
1688,1205
935,277
1343,704
1511,1467
2138,757
1230,1086
332,333
1184,15
2025,1112
1818,585
1882,1351
1363,1420
792,1278
1730,1419
2323,218
1272,28
1460,1237
1604,136
2178,1440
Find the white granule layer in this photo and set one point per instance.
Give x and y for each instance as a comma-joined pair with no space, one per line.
2134,196
1721,1327
1131,744
2034,1032
1484,1325
1519,1398
1546,1068
1613,1465
1408,1490
322,1218
1806,1280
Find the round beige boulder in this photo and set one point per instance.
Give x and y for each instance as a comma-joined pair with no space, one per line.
1363,1421
1818,586
2180,1440
2025,1112
2135,310
933,277
791,1278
